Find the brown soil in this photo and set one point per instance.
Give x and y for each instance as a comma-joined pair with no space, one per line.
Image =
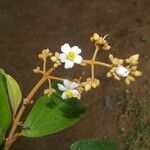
26,27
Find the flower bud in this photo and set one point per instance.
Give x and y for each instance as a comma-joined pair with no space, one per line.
50,54
137,73
57,54
36,70
47,50
111,57
91,38
109,75
127,81
115,61
133,62
87,87
94,85
97,82
107,47
112,70
135,57
46,91
95,37
40,56
127,60
56,65
53,59
116,77
131,78
134,68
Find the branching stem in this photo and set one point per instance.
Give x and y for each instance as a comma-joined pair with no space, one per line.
16,121
46,76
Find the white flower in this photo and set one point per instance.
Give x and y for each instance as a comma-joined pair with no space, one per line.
69,89
122,71
70,55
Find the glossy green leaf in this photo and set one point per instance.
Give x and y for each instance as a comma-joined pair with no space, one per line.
94,144
51,115
5,112
15,95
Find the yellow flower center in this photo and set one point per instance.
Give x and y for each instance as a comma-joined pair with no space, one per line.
69,94
71,56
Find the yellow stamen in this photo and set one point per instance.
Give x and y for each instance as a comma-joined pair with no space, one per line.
69,94
71,56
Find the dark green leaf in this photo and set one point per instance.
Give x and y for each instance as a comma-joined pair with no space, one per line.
5,112
94,144
51,115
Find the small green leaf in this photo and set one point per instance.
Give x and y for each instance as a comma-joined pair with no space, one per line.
14,91
94,144
51,115
5,112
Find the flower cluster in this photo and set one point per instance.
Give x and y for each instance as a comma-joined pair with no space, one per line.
69,56
89,84
116,62
100,42
49,91
74,90
45,53
129,72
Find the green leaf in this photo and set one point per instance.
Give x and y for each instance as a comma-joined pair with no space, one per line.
5,112
94,144
15,95
51,115
14,91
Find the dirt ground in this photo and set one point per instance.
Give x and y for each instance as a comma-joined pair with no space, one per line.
26,27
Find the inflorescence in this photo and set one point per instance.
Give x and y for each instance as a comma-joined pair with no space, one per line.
69,56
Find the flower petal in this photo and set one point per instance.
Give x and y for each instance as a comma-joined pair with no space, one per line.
61,87
78,59
76,50
76,93
74,85
69,64
67,84
64,95
65,48
62,57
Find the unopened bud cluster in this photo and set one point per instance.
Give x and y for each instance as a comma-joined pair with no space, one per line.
56,60
100,42
45,53
129,72
89,84
49,91
132,62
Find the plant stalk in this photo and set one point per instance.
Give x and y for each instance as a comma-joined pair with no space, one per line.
16,121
